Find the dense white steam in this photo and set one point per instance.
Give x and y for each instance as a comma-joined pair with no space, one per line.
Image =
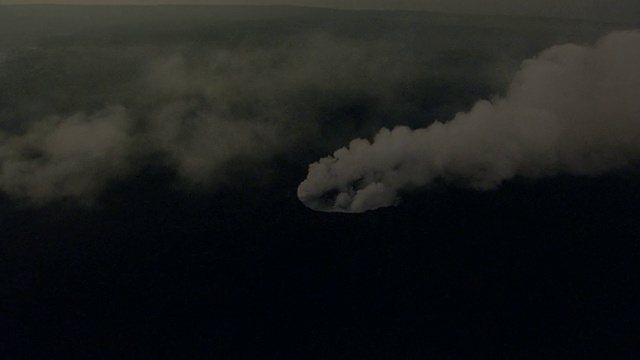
573,109
84,105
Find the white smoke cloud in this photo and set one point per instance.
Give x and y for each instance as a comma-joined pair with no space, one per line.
217,100
572,109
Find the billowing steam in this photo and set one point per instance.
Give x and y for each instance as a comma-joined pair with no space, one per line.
573,109
89,103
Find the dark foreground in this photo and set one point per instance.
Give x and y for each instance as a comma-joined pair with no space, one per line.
548,269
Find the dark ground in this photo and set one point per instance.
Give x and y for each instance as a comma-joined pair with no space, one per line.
541,270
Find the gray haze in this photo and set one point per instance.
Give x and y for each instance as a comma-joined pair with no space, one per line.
620,10
92,96
572,109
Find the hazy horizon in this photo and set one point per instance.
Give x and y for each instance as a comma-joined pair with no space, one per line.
621,11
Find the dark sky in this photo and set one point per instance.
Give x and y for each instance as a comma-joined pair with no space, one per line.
625,10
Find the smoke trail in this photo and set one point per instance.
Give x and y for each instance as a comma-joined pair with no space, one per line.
572,109
208,114
66,157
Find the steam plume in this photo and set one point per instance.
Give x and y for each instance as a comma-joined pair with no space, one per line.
573,109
